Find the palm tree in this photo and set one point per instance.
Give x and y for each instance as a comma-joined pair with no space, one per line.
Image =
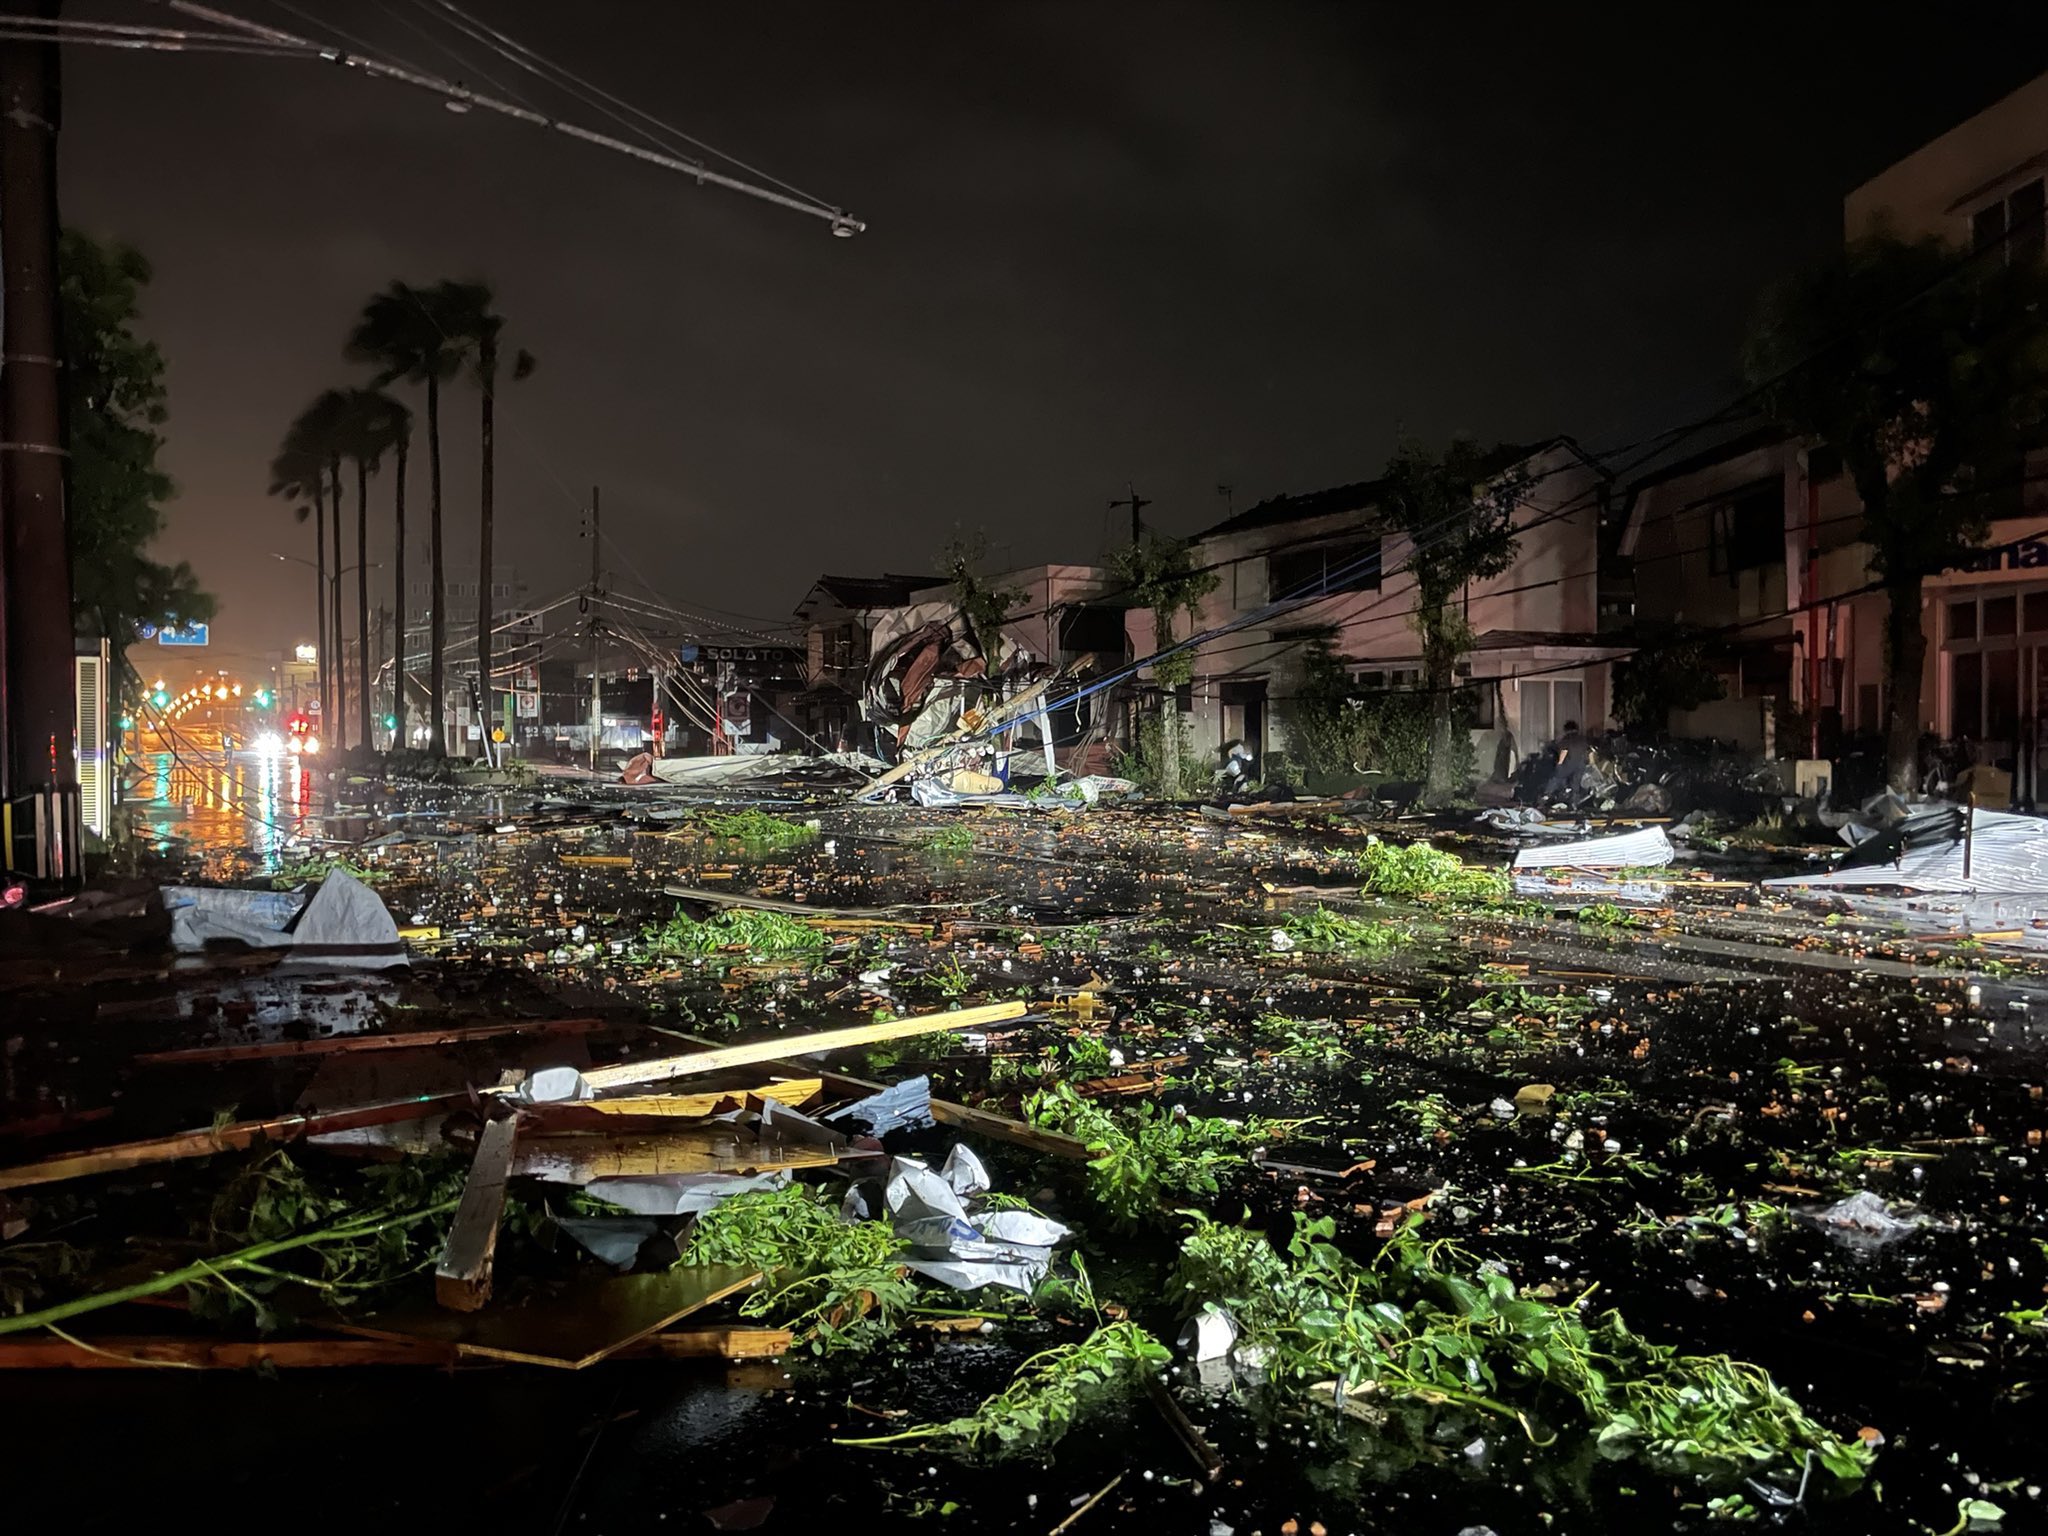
371,424
468,306
300,475
401,445
403,333
308,464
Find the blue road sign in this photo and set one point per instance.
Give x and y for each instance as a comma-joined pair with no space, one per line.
182,634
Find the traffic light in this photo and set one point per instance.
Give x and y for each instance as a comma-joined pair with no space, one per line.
391,722
160,698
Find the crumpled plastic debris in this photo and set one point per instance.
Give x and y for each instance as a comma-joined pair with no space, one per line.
679,1194
554,1085
345,924
614,1240
901,1106
956,1245
1210,1334
1864,1221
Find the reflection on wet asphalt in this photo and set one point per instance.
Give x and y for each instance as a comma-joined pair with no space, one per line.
1720,1070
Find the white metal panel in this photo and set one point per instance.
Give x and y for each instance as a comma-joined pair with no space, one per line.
95,770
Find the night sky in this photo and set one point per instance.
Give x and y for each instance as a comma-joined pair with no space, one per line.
1184,244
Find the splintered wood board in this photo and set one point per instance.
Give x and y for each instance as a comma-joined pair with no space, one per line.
578,1326
577,1159
758,1052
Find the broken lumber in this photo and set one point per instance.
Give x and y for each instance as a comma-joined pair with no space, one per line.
577,1159
192,1352
582,1325
759,1052
963,1117
335,1045
462,1280
234,1136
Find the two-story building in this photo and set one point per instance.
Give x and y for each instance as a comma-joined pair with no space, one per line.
1979,186
1327,564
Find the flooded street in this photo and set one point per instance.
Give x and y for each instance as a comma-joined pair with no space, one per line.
1657,1107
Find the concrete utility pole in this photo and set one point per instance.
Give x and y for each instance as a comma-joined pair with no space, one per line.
40,709
596,688
1137,504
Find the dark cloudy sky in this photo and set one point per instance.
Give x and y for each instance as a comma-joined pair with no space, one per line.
1180,243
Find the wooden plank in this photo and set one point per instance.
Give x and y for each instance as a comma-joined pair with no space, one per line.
335,1045
462,1280
234,1136
758,1052
578,1159
713,1343
655,1108
199,1353
577,1327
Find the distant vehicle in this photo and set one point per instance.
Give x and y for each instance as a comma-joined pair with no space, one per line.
299,739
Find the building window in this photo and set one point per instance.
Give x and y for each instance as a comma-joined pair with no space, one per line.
1350,566
2012,223
1747,532
1093,628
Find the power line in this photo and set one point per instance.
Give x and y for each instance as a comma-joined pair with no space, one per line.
453,92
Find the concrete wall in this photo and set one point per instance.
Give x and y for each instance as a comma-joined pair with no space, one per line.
1936,189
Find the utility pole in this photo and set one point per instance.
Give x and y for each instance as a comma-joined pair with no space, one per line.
596,689
1137,504
42,803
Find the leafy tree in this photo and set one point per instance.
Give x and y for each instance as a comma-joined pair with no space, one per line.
1159,573
114,403
1341,730
1457,508
983,607
415,335
467,309
1668,670
1927,370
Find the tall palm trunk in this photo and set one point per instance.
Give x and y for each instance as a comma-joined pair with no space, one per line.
487,373
363,604
399,735
336,724
320,654
437,627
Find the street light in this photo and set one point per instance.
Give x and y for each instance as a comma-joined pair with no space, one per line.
311,565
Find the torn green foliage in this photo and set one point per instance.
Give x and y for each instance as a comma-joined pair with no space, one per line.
1048,1394
312,871
768,935
347,1245
1423,873
948,840
1310,1040
836,1284
1142,1156
1425,1324
755,828
1322,931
